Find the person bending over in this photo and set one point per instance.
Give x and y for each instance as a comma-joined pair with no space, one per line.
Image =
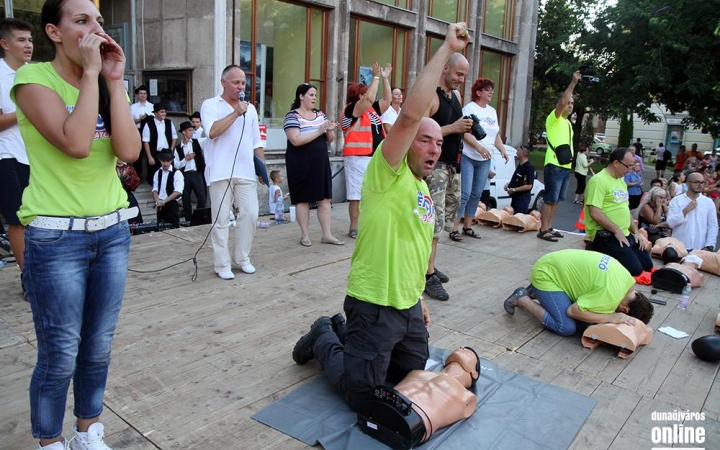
579,285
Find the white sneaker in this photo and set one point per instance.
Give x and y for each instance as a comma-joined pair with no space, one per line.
247,268
61,445
90,440
226,275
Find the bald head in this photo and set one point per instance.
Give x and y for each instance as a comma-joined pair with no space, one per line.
454,72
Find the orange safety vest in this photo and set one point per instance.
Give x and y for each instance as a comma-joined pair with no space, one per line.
358,137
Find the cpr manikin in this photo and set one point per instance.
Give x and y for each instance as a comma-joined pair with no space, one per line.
522,222
423,402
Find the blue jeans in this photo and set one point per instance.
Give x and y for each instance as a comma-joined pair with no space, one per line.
75,282
473,175
555,318
556,181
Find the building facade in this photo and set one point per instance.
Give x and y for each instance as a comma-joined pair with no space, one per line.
670,130
178,48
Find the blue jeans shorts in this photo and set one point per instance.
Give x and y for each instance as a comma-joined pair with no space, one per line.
556,181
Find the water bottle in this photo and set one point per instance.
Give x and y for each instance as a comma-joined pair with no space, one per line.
685,297
263,224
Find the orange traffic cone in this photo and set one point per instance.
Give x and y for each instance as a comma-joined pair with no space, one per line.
580,224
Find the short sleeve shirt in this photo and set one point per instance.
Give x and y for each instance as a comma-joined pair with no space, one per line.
559,132
596,282
397,221
524,175
611,196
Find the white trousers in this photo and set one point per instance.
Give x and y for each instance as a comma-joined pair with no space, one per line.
244,194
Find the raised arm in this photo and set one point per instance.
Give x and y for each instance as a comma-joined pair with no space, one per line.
567,95
420,97
387,89
368,98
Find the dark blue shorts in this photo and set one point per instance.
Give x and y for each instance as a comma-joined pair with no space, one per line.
14,178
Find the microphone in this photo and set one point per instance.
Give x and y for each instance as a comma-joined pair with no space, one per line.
241,97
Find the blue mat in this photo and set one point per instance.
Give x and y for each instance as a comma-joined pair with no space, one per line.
513,412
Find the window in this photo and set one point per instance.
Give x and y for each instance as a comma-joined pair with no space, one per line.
282,45
499,15
496,67
171,88
406,4
370,42
448,10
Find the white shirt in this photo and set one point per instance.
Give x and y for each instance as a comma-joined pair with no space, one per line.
699,228
390,116
198,134
272,203
235,147
161,139
178,183
137,110
489,121
184,164
11,143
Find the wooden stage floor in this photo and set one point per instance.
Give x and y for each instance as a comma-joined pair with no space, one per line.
192,361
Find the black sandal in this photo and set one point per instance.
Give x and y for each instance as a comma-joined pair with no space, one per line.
455,236
470,232
546,235
555,233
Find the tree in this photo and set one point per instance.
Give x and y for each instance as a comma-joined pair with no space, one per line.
651,52
626,130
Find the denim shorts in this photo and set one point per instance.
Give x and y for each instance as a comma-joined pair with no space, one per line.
556,181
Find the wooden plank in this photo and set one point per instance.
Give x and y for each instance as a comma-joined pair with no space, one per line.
192,361
614,407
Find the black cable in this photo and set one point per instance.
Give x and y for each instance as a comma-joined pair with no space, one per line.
429,434
194,257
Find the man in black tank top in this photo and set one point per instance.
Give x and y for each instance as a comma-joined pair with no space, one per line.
444,182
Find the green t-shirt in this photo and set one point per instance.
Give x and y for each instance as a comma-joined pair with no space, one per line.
558,131
60,185
610,195
397,218
596,282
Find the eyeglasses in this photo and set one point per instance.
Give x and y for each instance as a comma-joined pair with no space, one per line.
697,182
626,166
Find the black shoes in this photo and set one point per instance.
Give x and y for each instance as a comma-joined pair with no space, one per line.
441,276
303,351
434,288
507,304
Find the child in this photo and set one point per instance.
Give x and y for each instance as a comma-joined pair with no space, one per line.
276,197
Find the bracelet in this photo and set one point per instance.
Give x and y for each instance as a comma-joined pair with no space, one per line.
376,78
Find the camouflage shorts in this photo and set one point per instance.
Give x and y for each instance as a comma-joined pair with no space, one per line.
444,185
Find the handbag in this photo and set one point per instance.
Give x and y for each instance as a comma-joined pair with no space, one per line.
563,152
128,177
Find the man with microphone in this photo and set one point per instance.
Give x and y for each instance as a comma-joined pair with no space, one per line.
233,134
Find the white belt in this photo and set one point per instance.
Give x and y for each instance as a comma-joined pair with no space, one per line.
90,224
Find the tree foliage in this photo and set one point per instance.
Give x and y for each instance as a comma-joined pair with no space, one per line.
656,51
625,133
644,51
